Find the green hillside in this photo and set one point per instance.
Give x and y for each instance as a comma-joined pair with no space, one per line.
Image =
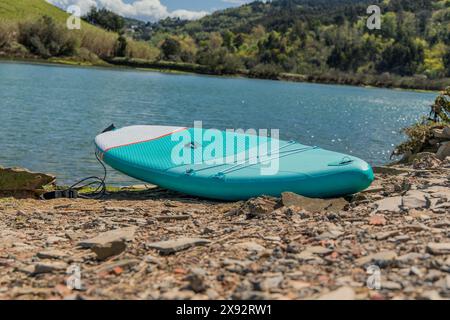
36,29
318,40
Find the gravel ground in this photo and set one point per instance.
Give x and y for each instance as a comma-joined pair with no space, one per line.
389,242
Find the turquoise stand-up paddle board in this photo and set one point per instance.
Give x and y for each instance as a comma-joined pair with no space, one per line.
230,165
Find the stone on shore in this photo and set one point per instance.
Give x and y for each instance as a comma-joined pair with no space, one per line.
439,248
52,254
391,204
444,150
381,259
251,246
49,267
443,134
109,243
313,205
123,234
173,246
415,199
343,293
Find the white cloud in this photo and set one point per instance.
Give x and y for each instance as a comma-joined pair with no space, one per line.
151,10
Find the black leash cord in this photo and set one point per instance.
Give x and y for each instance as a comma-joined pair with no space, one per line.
72,191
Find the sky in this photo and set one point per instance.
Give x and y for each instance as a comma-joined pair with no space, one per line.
153,10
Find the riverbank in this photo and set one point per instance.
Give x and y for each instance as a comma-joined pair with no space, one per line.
362,80
154,244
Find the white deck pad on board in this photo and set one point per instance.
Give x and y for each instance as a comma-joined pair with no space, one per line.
132,135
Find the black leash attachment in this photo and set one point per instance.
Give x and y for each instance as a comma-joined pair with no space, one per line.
58,194
97,183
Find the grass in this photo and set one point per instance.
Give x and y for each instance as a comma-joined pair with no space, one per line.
22,9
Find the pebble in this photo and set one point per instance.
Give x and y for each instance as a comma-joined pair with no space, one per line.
438,248
251,246
52,254
270,283
318,250
386,235
343,293
119,209
125,263
196,280
377,220
382,259
172,246
53,239
390,285
49,267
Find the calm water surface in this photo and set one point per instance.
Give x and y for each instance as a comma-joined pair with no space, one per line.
49,115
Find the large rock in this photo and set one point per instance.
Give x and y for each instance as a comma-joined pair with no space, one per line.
415,199
17,179
313,205
123,234
109,243
442,133
444,150
391,204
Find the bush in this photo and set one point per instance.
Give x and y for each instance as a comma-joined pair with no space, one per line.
420,133
418,136
265,71
46,38
7,33
103,44
142,50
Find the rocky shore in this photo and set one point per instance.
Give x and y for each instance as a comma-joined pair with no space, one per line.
391,241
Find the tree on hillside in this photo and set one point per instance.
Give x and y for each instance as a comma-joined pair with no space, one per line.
105,19
446,59
346,57
121,46
170,49
402,58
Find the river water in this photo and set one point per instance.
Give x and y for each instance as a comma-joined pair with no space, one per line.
49,115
